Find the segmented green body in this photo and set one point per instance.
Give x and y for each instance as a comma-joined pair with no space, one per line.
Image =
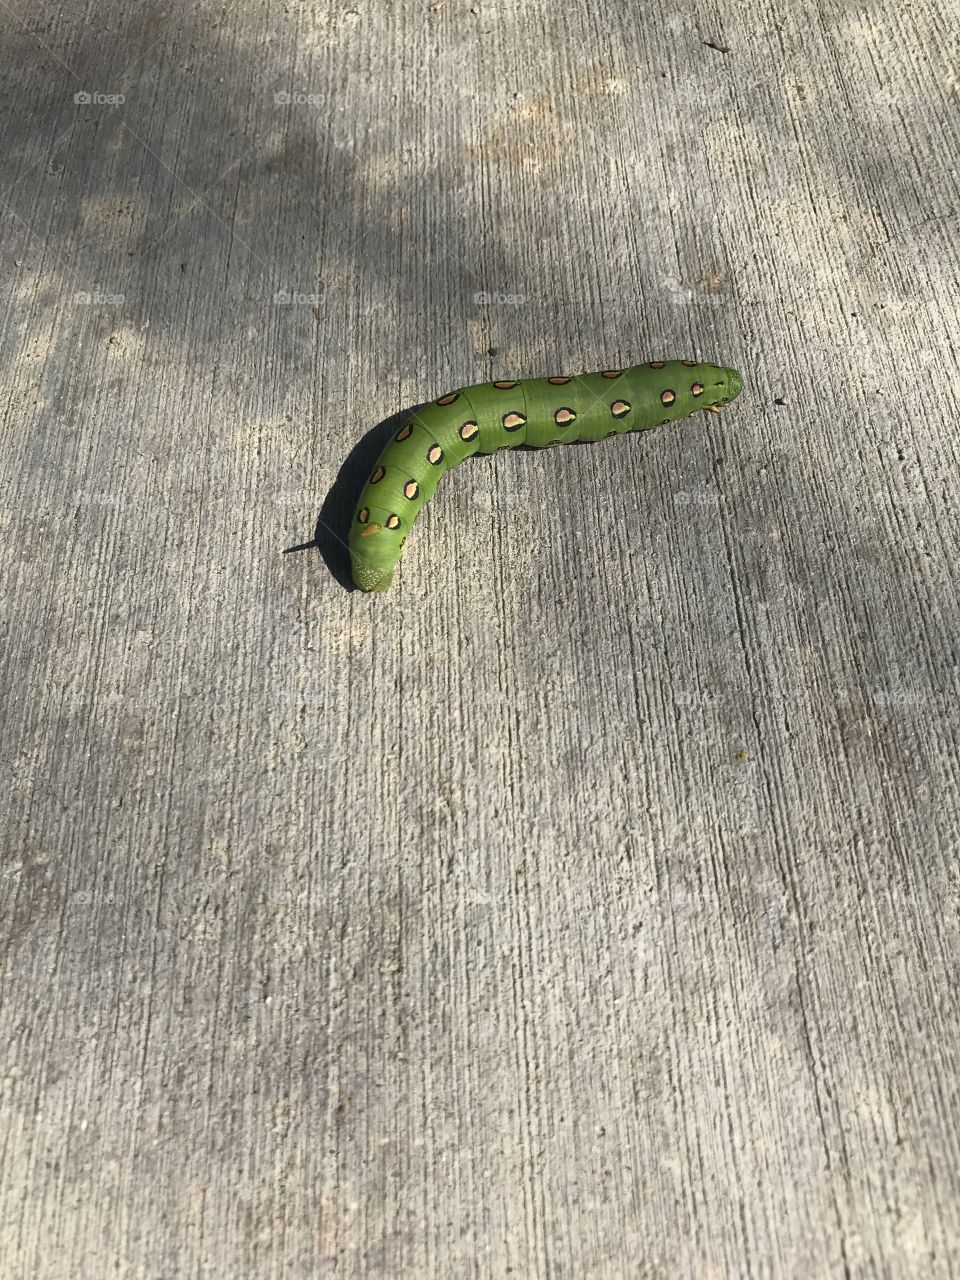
496,415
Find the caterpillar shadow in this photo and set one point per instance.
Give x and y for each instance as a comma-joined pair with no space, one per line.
331,536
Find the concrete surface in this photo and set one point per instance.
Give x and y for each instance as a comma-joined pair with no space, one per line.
587,906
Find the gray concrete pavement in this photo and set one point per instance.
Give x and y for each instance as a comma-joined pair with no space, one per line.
587,905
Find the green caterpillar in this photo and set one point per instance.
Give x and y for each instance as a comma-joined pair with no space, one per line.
496,415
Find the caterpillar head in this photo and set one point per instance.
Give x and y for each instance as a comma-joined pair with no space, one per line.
687,386
723,388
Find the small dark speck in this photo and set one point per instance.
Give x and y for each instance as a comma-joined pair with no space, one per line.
183,267
720,48
491,351
780,400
